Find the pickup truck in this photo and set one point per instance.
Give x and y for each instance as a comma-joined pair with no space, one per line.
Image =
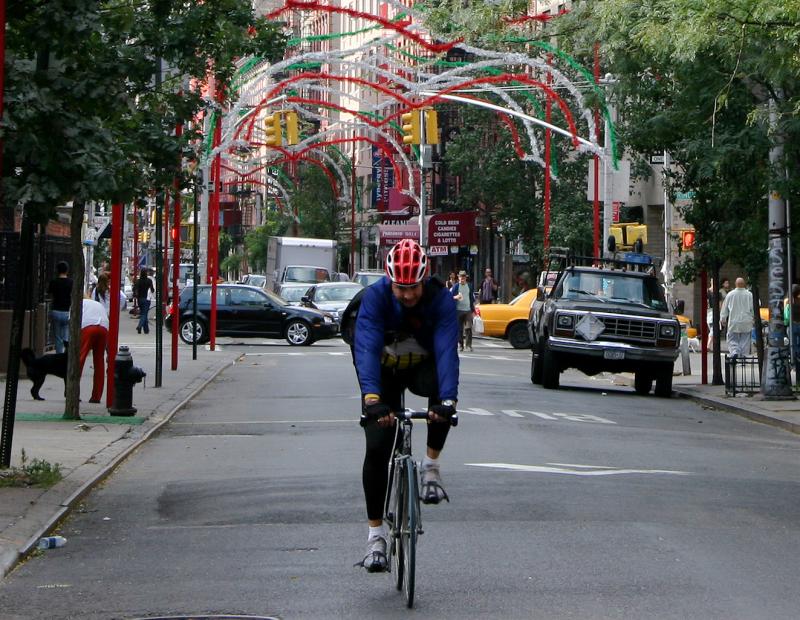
607,318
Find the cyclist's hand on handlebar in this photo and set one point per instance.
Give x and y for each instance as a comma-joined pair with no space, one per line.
441,413
380,413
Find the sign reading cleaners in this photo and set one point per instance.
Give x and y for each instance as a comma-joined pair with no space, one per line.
452,229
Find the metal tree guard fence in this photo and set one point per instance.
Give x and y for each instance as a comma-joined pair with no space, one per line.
742,375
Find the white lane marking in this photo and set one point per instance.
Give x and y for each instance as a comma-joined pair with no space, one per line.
578,470
493,345
474,411
338,353
572,417
583,417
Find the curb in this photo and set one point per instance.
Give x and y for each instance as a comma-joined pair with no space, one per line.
10,558
755,416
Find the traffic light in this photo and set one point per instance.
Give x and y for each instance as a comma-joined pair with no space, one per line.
431,126
292,130
687,240
272,129
411,127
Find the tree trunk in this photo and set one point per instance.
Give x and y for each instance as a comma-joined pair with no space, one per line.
78,269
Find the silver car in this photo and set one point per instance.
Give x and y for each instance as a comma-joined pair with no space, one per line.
331,297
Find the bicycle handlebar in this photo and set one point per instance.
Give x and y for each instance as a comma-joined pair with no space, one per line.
409,414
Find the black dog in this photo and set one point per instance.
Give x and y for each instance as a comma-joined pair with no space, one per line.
40,367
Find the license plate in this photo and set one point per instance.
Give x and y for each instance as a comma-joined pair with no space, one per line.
614,355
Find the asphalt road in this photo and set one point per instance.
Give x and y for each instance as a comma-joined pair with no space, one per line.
586,502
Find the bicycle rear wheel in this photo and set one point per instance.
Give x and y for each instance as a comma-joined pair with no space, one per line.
398,505
408,530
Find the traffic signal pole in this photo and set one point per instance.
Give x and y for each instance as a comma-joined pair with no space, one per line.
776,381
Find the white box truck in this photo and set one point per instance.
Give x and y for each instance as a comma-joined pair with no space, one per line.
299,259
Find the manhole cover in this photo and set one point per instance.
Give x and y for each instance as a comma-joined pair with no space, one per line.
207,617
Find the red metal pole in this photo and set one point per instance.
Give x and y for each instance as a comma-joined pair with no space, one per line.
703,328
176,256
548,114
213,226
165,252
117,223
596,203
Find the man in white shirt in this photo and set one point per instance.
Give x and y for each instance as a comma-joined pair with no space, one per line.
94,338
737,316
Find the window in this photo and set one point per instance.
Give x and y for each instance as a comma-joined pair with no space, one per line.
246,297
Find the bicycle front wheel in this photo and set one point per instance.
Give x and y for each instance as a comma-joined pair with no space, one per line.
409,530
398,504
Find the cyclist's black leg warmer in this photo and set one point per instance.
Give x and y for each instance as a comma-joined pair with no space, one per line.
375,473
437,434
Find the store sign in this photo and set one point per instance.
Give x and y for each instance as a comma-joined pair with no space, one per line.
437,250
382,179
389,235
452,229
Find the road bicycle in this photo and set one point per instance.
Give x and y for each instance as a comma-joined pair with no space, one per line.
401,508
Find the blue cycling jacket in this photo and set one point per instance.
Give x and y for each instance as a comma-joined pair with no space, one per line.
433,322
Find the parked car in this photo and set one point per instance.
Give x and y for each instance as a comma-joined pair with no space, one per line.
331,297
250,312
508,321
605,319
365,278
293,293
255,279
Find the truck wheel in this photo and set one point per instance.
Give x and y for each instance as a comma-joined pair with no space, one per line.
518,336
536,364
643,382
550,371
199,328
664,382
298,333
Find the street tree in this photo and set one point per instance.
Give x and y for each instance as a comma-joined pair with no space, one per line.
94,91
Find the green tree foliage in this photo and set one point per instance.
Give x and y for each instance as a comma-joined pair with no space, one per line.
89,116
693,78
313,199
495,181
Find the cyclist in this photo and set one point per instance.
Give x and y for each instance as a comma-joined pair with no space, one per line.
406,335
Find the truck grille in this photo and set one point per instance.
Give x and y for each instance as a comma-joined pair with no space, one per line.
634,329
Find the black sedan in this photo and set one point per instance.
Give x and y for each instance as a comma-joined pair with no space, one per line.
250,311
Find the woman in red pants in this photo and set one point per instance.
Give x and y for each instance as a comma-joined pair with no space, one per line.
94,337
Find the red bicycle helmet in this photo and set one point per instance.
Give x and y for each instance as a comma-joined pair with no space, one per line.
406,263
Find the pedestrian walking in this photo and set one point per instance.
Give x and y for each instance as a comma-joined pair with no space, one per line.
465,308
145,293
102,294
737,317
489,288
94,338
60,292
452,280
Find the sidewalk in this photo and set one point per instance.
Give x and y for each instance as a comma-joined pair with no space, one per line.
89,449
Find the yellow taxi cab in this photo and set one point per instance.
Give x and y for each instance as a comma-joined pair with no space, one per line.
508,321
